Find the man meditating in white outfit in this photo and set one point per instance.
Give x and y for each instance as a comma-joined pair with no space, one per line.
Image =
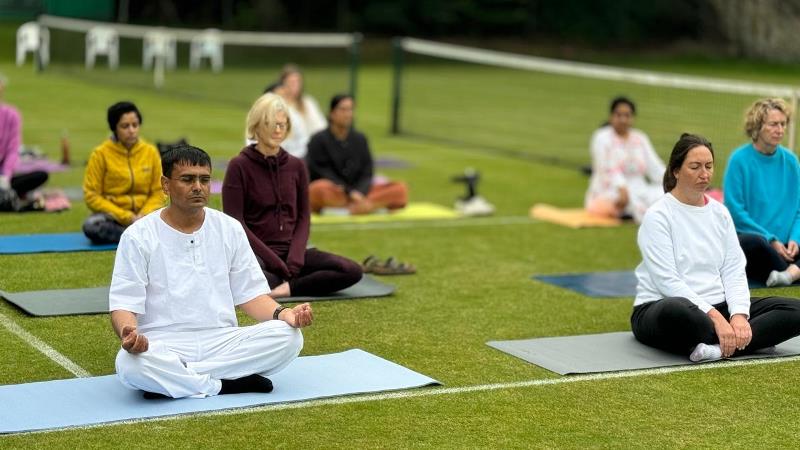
179,273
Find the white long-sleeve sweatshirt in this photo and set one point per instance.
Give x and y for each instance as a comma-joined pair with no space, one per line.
691,252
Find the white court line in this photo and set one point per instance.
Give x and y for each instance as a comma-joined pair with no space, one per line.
468,222
442,391
40,345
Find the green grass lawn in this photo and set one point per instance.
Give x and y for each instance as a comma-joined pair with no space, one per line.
472,284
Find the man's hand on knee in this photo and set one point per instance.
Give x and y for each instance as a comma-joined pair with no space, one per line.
298,317
133,342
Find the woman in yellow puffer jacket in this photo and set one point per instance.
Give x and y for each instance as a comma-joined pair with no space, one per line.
123,177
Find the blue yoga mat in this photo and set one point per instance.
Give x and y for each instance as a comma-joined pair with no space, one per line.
602,284
96,400
49,243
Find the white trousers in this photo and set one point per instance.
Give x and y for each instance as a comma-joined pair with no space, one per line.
192,363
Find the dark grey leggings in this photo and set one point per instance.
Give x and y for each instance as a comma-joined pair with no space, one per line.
323,273
761,257
677,325
101,228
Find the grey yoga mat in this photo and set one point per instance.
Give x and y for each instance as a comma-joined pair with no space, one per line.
61,302
608,352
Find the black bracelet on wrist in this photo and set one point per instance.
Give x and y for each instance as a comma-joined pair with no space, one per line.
277,312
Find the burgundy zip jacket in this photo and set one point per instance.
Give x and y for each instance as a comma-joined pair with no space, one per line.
269,196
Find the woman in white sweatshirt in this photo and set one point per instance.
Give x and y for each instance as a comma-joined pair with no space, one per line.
692,297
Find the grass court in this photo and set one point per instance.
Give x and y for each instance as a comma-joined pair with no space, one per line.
472,284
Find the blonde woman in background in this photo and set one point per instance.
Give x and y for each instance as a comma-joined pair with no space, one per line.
762,192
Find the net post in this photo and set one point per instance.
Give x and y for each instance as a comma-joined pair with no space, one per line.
397,63
38,61
38,64
158,71
793,122
355,60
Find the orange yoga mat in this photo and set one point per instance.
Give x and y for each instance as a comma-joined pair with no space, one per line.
571,217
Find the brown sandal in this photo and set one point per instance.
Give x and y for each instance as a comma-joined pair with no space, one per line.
393,267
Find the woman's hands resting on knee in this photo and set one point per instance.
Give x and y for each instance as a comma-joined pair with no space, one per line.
725,333
742,330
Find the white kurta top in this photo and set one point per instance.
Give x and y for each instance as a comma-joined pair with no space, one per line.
178,282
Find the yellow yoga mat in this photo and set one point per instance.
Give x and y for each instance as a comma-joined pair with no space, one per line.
412,211
571,217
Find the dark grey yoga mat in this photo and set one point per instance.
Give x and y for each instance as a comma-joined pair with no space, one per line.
61,302
607,352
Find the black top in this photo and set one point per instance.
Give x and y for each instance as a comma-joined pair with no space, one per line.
347,163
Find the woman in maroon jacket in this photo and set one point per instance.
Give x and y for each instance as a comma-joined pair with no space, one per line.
266,189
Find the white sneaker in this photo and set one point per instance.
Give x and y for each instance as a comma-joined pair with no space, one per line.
706,352
476,206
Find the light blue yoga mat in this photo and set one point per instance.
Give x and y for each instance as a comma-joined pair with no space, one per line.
602,284
96,400
49,243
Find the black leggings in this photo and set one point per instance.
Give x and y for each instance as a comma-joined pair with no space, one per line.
761,257
677,325
322,274
26,182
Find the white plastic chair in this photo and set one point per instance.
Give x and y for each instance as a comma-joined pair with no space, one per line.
207,44
159,44
102,41
32,37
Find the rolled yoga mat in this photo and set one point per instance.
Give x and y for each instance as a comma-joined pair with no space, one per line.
412,211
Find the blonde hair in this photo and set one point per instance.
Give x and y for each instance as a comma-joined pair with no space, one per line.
263,112
757,114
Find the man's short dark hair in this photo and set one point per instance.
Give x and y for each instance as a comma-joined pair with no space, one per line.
116,111
183,154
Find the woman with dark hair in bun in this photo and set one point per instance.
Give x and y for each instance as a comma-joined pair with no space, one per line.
123,177
692,296
626,170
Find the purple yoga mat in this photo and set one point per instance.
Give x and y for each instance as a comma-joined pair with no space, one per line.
33,165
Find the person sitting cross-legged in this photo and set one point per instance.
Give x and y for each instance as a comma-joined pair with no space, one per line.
178,276
340,167
266,189
762,192
14,188
123,176
692,296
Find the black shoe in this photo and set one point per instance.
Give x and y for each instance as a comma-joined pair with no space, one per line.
153,395
250,383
